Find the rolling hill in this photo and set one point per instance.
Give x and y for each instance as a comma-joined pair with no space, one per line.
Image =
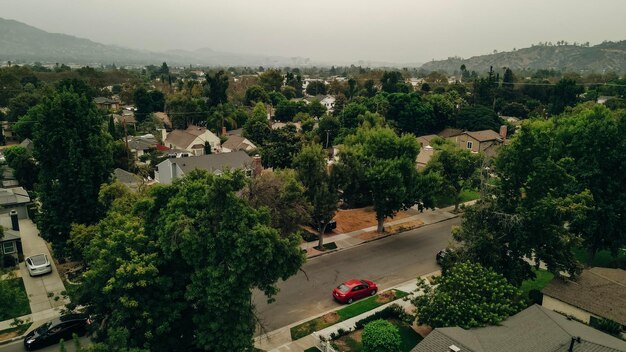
608,56
20,42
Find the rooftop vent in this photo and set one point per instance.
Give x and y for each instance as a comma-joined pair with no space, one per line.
453,348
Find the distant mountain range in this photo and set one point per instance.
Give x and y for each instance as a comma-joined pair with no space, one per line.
20,42
605,57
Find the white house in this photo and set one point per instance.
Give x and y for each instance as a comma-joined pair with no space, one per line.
329,102
192,140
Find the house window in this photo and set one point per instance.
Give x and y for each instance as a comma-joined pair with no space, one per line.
9,247
469,145
248,172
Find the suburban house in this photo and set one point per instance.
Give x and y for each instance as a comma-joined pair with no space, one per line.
140,145
234,143
535,329
173,168
15,198
329,102
106,103
8,177
485,141
599,293
126,118
128,179
192,140
10,240
7,131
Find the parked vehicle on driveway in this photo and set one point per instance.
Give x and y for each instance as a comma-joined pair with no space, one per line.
53,331
352,290
38,265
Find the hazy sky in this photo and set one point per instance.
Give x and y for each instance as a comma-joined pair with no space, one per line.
328,30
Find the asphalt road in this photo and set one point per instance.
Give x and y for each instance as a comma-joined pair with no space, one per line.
388,262
18,346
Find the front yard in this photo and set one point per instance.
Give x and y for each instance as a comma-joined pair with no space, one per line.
14,299
317,324
352,341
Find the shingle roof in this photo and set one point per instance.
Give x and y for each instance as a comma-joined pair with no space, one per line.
179,138
238,143
485,135
15,195
127,178
535,329
601,291
142,142
164,118
104,100
450,132
214,162
27,144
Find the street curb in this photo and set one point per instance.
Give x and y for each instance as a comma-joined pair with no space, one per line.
13,339
384,236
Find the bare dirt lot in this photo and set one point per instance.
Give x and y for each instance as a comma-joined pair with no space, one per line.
357,219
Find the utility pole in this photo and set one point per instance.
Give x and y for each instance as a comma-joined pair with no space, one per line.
327,137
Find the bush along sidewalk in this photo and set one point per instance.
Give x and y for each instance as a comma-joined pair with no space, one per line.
304,329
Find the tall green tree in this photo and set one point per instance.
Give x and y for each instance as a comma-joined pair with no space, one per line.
69,178
280,147
468,296
458,168
387,166
257,128
320,186
271,80
24,166
284,195
165,247
215,88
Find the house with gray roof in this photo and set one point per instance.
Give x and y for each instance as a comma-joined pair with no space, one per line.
15,198
128,179
173,168
535,329
598,293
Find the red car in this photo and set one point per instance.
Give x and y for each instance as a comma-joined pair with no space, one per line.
352,290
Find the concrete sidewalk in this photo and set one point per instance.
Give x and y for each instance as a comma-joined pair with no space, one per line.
280,340
350,239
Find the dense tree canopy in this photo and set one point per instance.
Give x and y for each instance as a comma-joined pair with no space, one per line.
469,296
69,178
159,266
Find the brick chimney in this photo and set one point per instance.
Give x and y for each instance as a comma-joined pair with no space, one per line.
503,131
257,165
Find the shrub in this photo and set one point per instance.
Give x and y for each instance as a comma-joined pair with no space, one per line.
535,296
393,311
607,325
381,336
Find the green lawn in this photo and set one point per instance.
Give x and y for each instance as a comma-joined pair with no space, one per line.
409,337
542,279
443,201
15,291
602,258
360,307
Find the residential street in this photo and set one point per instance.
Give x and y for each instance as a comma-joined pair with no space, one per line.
388,262
18,346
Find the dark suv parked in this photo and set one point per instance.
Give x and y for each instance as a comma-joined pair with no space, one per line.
53,331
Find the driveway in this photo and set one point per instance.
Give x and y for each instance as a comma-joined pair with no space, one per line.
44,292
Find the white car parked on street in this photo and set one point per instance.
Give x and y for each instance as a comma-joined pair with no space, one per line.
38,265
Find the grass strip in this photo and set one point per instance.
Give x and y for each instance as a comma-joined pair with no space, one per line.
360,307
